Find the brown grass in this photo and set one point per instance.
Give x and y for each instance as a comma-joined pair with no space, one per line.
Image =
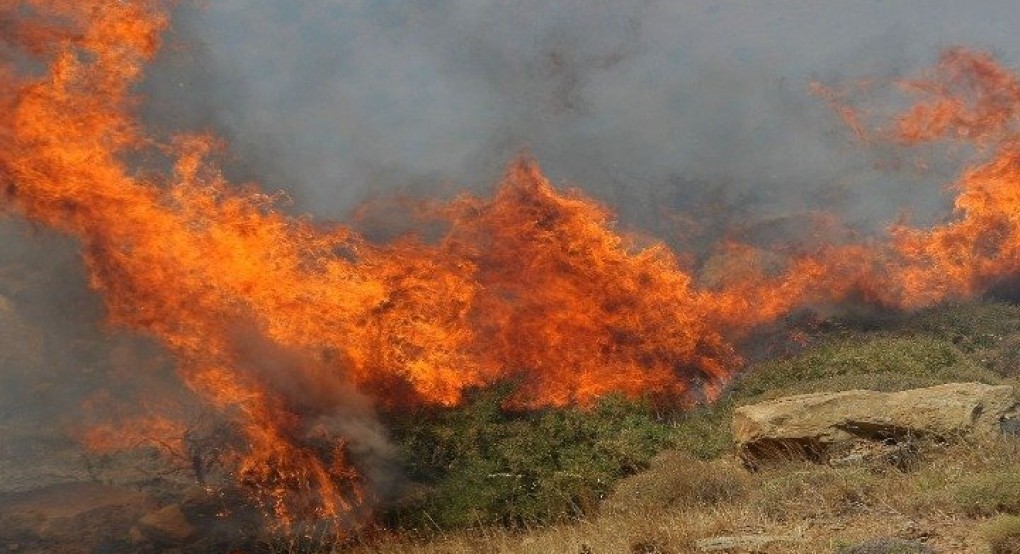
1003,534
816,509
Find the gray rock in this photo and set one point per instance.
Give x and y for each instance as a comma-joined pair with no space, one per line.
887,545
743,543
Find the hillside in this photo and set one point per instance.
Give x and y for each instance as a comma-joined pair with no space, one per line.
956,497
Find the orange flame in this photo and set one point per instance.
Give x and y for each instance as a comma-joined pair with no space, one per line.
534,284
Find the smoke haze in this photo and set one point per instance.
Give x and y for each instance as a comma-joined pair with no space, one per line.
651,106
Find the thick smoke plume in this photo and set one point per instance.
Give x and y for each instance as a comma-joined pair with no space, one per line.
656,108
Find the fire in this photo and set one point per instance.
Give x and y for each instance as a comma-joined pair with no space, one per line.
287,326
968,97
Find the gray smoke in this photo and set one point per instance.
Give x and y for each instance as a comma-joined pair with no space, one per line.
655,107
328,403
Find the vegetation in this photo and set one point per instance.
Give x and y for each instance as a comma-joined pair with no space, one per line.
985,494
1003,534
886,545
623,477
481,465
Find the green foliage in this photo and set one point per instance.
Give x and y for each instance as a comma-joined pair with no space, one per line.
483,465
872,361
985,494
705,431
878,362
985,331
1003,534
971,326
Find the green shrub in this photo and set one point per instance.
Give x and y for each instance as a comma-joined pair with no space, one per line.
483,465
873,361
989,493
971,326
1003,534
705,431
988,332
480,464
879,362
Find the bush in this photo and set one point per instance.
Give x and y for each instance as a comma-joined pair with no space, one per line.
480,464
989,493
971,326
484,465
871,361
985,331
1003,535
676,479
705,431
799,491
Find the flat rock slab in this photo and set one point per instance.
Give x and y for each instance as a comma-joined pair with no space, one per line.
741,543
809,425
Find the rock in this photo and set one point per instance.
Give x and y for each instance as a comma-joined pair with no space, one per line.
818,426
741,543
167,526
887,546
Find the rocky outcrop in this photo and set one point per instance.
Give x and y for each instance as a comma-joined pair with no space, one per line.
818,426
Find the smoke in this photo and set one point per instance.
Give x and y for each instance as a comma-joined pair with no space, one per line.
61,370
655,107
329,406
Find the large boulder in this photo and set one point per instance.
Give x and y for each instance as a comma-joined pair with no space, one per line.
816,426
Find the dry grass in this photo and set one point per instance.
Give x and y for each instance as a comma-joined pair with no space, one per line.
817,509
1003,534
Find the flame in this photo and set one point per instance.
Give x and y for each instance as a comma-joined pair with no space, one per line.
279,321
